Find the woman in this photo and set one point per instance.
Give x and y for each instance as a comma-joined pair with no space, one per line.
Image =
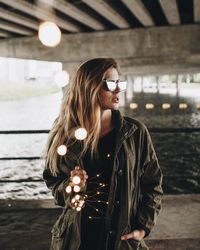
119,176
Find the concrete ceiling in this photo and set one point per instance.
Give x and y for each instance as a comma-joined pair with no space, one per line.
21,18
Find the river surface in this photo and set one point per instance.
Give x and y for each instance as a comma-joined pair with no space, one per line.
178,153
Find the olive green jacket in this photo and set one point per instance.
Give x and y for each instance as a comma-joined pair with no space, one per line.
137,170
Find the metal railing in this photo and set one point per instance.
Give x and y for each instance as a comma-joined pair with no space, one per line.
152,130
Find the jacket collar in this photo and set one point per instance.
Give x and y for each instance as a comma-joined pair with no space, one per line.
125,126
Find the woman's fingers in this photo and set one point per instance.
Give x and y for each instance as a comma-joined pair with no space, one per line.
135,235
81,173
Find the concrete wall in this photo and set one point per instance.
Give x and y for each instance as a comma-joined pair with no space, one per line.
157,50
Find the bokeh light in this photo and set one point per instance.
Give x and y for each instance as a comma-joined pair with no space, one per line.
149,106
61,78
68,189
80,133
76,179
77,188
133,105
183,105
49,34
166,106
198,106
62,150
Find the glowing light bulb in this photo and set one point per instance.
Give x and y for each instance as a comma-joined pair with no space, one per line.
80,134
61,78
78,209
49,34
62,150
73,200
76,179
183,105
77,189
166,106
149,106
68,189
81,203
77,196
198,106
133,105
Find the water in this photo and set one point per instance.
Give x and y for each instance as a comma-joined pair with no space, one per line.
179,154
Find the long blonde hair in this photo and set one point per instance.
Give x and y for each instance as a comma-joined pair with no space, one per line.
80,108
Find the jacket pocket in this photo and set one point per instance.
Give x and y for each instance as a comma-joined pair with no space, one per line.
61,233
129,245
134,244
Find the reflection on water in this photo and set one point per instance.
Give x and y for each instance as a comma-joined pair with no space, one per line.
179,154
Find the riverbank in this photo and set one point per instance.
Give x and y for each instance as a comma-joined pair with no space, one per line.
26,224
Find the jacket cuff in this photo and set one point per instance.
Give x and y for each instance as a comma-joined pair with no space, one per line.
142,227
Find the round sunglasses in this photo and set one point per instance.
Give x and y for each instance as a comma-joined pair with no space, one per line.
112,85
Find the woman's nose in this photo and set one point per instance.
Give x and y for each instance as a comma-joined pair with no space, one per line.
117,90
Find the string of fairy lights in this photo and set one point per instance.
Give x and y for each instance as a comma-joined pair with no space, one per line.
78,198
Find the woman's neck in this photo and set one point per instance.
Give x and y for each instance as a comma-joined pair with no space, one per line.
106,122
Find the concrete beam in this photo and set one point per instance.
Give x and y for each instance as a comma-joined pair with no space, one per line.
4,34
140,11
196,7
77,14
171,12
40,13
18,19
153,50
13,28
104,9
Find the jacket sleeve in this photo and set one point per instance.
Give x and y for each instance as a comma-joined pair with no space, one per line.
150,185
65,165
57,184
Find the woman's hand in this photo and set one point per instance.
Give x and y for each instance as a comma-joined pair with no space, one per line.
135,235
82,175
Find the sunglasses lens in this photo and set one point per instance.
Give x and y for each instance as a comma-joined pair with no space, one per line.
122,85
111,85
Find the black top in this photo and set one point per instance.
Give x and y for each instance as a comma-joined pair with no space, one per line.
99,170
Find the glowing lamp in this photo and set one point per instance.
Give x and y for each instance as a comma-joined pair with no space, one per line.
80,134
183,105
166,106
198,106
133,105
149,106
49,34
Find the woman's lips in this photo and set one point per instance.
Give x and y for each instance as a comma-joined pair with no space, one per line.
115,99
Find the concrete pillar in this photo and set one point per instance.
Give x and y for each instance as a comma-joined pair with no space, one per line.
178,83
129,91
